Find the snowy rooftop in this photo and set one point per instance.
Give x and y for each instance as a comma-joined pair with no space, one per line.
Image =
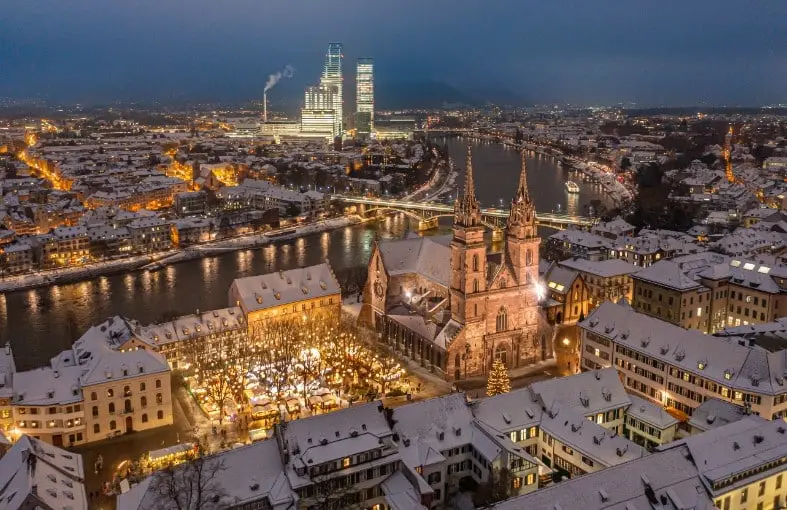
46,476
250,474
572,428
587,392
274,289
669,476
644,410
669,274
752,443
428,256
602,268
720,360
715,413
193,326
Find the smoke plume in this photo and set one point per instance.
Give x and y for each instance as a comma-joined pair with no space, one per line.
274,78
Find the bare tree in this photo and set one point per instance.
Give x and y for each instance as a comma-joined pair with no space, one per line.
276,345
218,371
194,485
498,486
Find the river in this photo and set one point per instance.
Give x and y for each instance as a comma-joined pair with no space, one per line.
37,322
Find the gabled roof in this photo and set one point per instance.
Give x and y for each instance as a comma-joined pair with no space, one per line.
250,473
36,471
428,256
264,291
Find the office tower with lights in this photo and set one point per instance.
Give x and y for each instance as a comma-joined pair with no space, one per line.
318,116
332,79
364,81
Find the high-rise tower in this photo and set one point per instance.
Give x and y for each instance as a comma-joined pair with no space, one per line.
364,82
332,78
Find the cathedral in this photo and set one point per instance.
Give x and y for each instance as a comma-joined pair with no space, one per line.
452,305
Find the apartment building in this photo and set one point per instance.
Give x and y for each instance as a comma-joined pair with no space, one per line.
17,257
709,292
742,464
681,368
92,392
195,334
64,246
339,459
191,203
440,443
149,235
252,478
572,424
664,291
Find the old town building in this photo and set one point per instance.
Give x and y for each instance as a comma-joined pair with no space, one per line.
452,305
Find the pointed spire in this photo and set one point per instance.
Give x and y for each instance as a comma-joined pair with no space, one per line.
522,191
467,212
469,184
522,207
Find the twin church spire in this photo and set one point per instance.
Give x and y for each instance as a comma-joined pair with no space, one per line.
467,212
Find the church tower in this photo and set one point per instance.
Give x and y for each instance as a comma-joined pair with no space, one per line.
522,239
468,254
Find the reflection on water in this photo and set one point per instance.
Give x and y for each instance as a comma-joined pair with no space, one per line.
35,321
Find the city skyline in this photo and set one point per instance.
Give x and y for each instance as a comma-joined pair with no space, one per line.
654,56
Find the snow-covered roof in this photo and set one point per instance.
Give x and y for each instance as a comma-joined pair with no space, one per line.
667,273
587,392
571,427
328,437
645,410
603,268
714,413
274,289
740,446
720,360
34,474
249,474
669,475
428,256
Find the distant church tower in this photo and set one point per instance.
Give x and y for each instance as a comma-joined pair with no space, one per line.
522,239
468,254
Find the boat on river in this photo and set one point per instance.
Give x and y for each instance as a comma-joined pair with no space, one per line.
572,187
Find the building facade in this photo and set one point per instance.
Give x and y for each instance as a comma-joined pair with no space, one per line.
682,368
332,79
364,82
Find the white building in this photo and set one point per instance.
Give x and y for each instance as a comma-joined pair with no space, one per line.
36,475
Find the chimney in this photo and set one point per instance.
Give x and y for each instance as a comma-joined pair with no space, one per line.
265,106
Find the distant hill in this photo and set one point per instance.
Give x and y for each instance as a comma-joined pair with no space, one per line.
435,94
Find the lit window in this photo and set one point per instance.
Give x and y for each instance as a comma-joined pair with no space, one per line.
748,266
517,482
597,353
346,462
699,312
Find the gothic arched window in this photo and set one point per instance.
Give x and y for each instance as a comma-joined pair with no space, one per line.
475,262
529,257
502,320
476,286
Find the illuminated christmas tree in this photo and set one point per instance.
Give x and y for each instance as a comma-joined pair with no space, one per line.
498,381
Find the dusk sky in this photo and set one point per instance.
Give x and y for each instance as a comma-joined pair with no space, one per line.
685,52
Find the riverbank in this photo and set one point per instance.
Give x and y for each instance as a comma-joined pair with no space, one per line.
164,259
